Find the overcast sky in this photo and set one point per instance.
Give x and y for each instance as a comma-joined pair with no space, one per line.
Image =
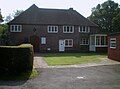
82,6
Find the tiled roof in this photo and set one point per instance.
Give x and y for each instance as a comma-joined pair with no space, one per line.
35,15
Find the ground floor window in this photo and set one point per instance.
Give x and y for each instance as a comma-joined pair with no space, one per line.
112,42
101,40
68,42
84,41
43,40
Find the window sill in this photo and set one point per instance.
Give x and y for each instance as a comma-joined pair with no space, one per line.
84,44
68,32
101,46
113,47
15,32
68,46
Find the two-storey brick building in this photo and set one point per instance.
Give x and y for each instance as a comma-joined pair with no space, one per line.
56,30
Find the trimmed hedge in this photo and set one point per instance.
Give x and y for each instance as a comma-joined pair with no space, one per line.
15,60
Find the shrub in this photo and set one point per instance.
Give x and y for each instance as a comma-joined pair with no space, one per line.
15,60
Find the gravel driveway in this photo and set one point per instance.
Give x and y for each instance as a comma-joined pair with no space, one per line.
104,75
97,77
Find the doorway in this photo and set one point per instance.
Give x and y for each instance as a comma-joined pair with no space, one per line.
34,40
61,45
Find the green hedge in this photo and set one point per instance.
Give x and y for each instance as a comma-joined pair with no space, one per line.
15,60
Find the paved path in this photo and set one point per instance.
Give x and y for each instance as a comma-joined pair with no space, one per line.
40,63
97,77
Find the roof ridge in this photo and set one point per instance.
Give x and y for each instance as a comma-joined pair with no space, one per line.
55,9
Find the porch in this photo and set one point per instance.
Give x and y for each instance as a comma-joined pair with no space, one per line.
98,43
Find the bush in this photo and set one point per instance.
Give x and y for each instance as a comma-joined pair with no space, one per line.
15,60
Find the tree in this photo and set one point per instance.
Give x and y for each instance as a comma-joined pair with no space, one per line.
103,15
17,13
13,15
116,23
8,18
3,34
1,18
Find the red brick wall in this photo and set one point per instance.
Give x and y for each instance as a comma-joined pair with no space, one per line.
114,53
101,49
52,39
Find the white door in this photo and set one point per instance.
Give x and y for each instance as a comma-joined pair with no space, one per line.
92,44
61,45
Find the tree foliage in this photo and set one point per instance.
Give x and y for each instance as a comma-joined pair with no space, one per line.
3,34
8,18
104,13
17,13
116,23
1,18
13,15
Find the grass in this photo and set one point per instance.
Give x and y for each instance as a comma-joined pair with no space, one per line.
24,76
71,58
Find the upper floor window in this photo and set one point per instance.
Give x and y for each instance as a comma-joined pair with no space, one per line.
15,28
68,29
84,29
112,42
52,29
84,41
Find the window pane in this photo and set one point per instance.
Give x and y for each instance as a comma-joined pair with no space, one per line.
66,42
87,42
83,28
50,28
12,28
80,28
19,28
97,40
55,29
102,40
68,29
71,30
84,41
15,28
64,29
105,40
70,42
43,40
88,29
113,43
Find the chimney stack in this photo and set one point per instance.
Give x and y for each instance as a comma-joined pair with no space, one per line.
70,8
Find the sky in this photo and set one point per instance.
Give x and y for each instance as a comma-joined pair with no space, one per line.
82,6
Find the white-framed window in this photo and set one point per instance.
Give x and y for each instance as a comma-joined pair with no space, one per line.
43,40
52,29
113,43
68,42
84,41
84,29
101,40
15,28
68,29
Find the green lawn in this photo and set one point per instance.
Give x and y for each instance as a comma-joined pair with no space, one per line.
54,59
